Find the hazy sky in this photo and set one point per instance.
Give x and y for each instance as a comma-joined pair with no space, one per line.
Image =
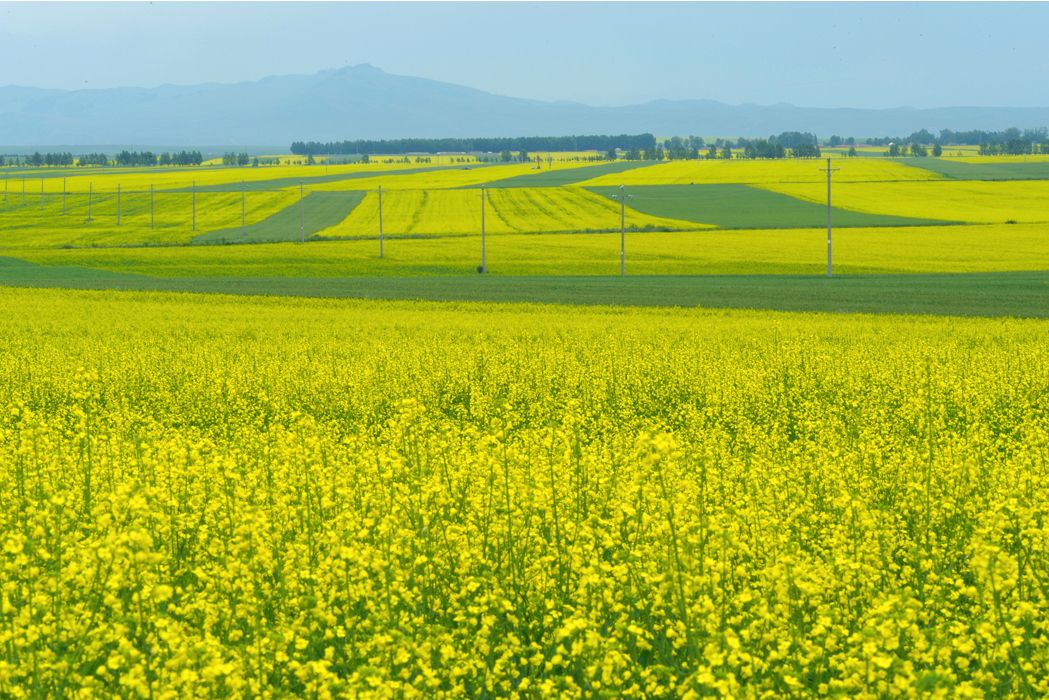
816,54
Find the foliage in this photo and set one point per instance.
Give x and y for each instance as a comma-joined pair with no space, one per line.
206,496
484,145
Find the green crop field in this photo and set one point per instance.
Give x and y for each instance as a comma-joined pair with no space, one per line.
558,177
316,212
743,206
984,169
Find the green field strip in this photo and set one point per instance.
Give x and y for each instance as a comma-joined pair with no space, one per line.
319,210
1007,294
568,176
281,183
959,170
743,206
45,173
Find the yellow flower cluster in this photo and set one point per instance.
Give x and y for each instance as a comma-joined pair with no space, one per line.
212,496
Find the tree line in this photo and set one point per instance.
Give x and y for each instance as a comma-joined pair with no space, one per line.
475,145
124,158
1011,141
795,144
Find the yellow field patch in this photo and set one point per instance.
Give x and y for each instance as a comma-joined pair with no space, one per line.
917,249
950,200
466,176
684,172
106,180
989,160
511,210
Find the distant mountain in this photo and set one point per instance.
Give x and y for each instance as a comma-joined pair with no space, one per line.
363,102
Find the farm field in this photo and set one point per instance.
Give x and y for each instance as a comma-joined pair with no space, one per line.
432,222
207,495
559,176
138,179
912,249
173,214
315,212
972,201
986,168
511,210
686,172
743,206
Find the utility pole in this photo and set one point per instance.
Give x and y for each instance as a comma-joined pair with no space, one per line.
23,190
484,263
90,192
242,231
5,188
302,217
622,197
41,193
381,241
193,191
151,218
118,205
63,195
830,256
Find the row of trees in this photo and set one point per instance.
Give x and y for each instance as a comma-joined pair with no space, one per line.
235,159
124,158
789,143
1011,141
476,145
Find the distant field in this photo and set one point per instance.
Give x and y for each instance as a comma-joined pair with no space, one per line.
316,212
448,178
317,178
684,172
743,206
933,249
559,176
972,156
975,201
107,179
985,168
511,210
987,294
36,226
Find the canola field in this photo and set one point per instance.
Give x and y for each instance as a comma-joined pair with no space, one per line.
971,201
510,210
707,217
908,250
208,496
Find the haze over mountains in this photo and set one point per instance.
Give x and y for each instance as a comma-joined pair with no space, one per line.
364,102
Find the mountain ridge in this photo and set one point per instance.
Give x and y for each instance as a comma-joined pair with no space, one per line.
365,102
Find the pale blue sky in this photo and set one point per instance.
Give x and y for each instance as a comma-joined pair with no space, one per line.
814,54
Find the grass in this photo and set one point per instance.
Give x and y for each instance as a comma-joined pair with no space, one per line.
687,172
511,210
107,179
985,169
316,179
319,211
742,206
970,201
567,176
33,226
448,178
1022,294
918,249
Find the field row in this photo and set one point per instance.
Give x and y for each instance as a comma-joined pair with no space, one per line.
207,496
978,248
181,217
